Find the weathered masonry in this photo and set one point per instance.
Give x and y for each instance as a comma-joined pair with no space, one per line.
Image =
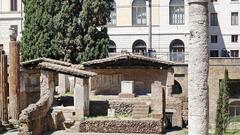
140,74
35,119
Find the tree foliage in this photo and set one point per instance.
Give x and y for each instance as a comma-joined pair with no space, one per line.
222,116
69,30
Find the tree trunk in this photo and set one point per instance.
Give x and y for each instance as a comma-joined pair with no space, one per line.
198,102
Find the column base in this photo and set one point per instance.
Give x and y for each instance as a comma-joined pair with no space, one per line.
126,95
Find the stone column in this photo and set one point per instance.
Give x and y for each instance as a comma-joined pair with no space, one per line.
14,76
170,82
3,88
71,82
149,2
81,98
158,101
47,86
198,105
63,83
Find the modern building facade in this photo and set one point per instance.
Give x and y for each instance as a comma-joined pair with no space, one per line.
10,17
168,34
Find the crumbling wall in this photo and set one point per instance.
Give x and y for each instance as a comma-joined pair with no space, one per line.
108,81
122,126
33,118
175,106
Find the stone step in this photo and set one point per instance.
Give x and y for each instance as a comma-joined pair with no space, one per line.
140,110
146,111
140,116
141,105
139,113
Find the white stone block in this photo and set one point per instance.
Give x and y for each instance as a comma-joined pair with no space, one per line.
127,87
111,112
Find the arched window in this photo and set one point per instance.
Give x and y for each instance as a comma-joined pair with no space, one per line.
112,47
176,88
176,12
177,51
234,109
139,47
139,12
113,14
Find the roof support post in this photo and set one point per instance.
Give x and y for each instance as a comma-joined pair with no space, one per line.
14,76
81,97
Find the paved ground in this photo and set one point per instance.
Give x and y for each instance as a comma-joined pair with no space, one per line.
71,133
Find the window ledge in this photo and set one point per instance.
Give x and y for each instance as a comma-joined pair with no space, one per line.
215,3
235,2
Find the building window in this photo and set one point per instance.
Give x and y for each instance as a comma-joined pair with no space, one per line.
214,0
176,88
213,53
112,47
234,38
234,18
139,12
214,38
177,51
214,19
225,53
234,53
13,5
176,13
113,15
234,110
139,47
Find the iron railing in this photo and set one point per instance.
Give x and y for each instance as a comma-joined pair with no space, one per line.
177,57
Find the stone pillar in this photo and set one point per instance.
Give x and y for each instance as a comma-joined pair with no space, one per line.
170,82
149,2
72,82
47,86
3,88
63,84
81,98
14,77
158,101
198,102
127,88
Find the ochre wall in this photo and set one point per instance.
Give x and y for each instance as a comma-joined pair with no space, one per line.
216,72
108,81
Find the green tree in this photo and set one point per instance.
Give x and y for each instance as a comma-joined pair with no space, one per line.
69,30
222,116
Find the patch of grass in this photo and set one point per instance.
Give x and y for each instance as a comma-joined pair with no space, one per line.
235,119
70,94
150,115
228,132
